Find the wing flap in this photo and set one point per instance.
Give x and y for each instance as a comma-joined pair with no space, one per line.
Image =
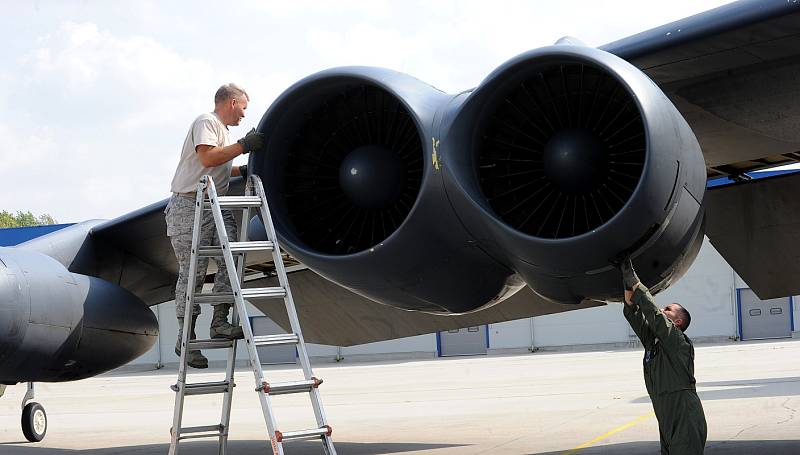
754,226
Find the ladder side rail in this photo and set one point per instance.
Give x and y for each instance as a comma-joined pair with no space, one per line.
227,404
188,303
241,259
316,400
266,405
277,257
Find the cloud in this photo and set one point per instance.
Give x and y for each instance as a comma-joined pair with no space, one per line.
104,124
82,53
95,99
98,74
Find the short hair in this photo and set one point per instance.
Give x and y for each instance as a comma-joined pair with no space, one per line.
229,91
687,318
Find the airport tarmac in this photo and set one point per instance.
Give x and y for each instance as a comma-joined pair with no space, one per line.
541,403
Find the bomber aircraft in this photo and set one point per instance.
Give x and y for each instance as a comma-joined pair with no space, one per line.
414,210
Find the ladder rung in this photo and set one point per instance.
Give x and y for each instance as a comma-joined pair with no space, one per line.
198,436
209,344
213,298
227,297
276,340
235,202
283,388
203,388
202,429
272,292
313,433
236,247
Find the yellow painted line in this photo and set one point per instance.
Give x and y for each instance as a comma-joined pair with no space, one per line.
610,433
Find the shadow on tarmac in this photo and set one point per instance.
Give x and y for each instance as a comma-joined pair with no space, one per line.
234,447
712,448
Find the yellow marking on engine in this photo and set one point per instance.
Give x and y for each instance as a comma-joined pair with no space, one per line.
435,155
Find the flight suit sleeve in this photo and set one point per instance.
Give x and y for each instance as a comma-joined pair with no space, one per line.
636,319
660,325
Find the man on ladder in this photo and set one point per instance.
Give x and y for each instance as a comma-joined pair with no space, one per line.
207,150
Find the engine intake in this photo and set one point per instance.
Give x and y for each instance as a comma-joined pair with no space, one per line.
562,151
353,169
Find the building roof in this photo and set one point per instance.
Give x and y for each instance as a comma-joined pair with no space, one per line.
15,236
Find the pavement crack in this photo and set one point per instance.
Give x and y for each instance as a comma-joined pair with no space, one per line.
726,441
497,446
792,411
743,430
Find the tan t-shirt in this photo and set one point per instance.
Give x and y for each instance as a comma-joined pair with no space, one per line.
206,129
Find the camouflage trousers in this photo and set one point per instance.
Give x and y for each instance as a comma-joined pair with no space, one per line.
179,215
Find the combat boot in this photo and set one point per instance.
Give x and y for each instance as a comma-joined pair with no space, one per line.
221,328
195,359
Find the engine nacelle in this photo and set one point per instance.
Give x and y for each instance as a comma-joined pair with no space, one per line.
567,159
354,194
61,326
563,161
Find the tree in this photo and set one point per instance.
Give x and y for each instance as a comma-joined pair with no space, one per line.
9,220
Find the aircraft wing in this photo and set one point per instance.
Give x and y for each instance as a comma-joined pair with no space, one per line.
732,74
134,252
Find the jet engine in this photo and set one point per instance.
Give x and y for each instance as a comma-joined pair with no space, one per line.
61,326
355,196
566,160
563,161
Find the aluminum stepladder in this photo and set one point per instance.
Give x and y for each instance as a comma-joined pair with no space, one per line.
254,198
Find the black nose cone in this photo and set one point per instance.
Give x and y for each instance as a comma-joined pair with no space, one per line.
575,160
372,176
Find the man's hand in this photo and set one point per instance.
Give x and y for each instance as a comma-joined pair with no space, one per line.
252,141
628,297
629,278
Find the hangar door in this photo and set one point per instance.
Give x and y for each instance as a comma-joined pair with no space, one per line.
466,341
762,319
271,355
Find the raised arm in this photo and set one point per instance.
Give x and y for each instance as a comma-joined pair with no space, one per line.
637,321
660,325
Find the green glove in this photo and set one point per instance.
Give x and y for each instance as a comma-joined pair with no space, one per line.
252,141
629,278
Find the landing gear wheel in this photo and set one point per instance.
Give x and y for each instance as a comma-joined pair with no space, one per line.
34,422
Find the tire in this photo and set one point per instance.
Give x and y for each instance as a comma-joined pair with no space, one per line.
34,422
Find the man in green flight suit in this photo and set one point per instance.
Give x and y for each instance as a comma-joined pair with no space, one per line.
668,367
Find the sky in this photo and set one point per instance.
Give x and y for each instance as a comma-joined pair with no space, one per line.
96,97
